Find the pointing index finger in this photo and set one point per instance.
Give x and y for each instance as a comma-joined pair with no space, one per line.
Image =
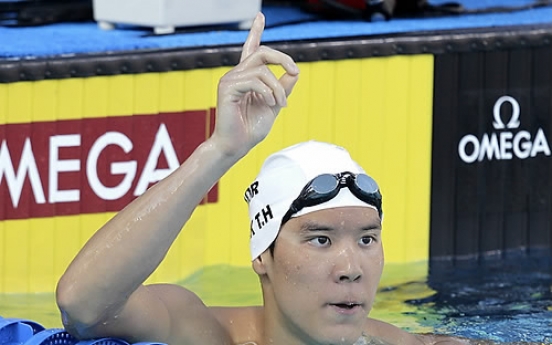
253,40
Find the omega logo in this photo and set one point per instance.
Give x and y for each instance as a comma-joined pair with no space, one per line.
514,120
504,145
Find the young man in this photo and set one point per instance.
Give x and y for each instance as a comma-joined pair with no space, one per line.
316,238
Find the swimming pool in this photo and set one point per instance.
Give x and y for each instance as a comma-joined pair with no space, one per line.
505,297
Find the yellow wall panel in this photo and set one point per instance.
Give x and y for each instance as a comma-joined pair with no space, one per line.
41,253
171,92
120,96
353,103
3,245
397,87
190,245
95,99
16,270
217,242
362,113
348,98
198,87
67,242
378,138
4,102
418,161
293,118
321,79
236,231
71,91
373,118
20,102
45,99
146,93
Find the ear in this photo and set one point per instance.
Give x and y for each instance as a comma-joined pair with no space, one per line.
259,265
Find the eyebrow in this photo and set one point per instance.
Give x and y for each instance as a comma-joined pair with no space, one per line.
314,226
310,225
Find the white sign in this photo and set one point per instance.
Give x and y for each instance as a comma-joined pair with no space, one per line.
506,144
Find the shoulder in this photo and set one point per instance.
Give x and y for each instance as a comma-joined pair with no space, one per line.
244,324
183,314
161,312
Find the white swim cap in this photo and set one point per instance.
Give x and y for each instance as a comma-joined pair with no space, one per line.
282,177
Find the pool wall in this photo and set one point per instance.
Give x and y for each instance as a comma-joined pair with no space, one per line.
401,105
68,133
491,157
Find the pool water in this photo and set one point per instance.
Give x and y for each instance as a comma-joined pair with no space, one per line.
505,298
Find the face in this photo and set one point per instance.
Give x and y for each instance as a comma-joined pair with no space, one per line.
321,281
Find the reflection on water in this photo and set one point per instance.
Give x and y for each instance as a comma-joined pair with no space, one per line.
498,298
501,299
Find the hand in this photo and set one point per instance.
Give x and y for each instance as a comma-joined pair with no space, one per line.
250,96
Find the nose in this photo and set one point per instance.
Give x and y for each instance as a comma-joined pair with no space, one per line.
347,267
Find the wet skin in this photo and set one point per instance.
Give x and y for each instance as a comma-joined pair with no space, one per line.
321,281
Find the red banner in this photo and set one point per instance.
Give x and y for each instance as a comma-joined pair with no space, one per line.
93,165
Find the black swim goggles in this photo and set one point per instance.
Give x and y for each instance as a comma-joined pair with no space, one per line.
326,186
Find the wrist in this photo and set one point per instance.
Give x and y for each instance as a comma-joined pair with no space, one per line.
227,152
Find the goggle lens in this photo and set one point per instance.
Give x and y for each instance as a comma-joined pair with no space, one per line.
323,184
326,186
366,184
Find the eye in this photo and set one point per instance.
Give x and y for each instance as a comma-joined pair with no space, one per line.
366,240
320,241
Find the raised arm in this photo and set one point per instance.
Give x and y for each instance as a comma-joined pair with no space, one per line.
101,293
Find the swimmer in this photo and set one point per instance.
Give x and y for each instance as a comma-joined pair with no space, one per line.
316,238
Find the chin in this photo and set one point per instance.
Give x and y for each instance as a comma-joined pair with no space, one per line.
341,341
341,336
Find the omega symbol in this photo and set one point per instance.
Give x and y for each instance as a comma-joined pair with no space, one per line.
514,120
505,144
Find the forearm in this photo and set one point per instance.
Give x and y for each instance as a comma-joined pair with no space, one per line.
126,250
104,281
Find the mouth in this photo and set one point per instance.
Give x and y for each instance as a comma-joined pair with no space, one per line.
347,308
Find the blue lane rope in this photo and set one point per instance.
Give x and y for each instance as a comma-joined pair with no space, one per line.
15,331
